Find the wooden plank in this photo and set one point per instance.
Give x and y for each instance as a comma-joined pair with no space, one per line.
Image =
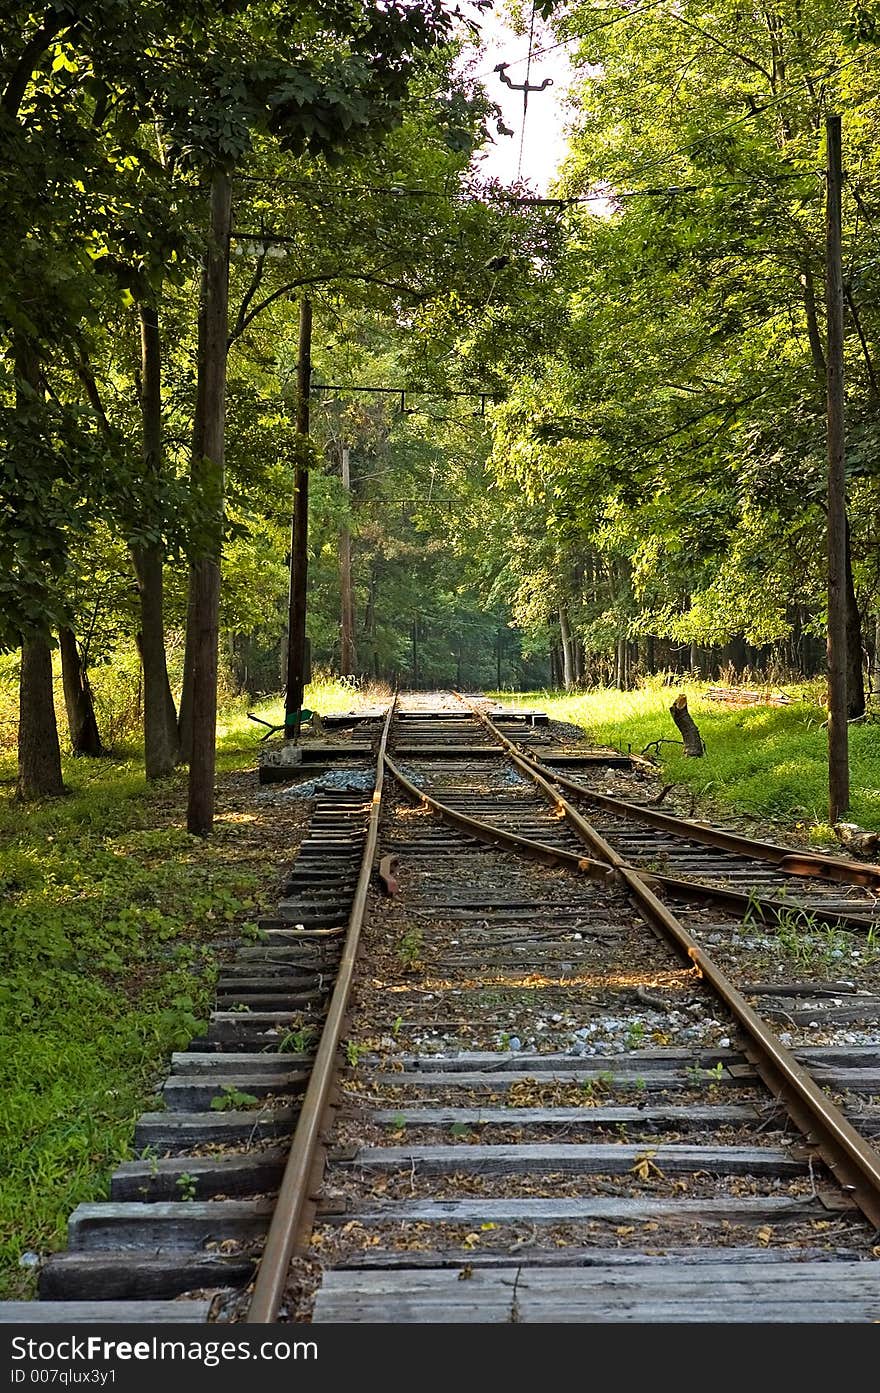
487,1296
643,1080
795,988
769,1209
184,1094
740,1278
424,750
843,1056
675,1117
695,1115
238,1062
847,1080
572,1158
255,1020
166,1224
115,1276
115,1312
169,1131
523,1061
573,1256
860,1009
789,1292
199,1177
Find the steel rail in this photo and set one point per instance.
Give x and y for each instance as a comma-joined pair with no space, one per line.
765,908
791,862
850,1158
298,1173
499,836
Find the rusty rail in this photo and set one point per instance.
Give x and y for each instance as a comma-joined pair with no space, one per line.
298,1173
803,863
500,836
854,1162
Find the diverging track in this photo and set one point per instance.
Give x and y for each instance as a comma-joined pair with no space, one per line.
527,1131
518,1085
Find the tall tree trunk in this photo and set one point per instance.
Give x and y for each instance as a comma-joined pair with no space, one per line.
346,654
161,740
298,651
370,624
554,666
577,657
160,716
39,753
622,665
81,719
855,673
205,573
184,716
184,713
567,654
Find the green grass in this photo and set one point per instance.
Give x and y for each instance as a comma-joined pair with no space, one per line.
767,761
109,918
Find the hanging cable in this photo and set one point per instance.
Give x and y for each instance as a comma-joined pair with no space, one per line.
522,134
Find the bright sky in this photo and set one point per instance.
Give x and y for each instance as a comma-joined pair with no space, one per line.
544,144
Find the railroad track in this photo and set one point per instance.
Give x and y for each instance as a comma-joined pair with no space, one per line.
534,1095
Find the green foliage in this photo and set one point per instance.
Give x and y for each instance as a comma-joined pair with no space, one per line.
409,948
107,914
298,1041
231,1099
187,1185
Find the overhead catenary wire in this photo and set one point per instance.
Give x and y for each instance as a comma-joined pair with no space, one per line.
618,18
522,133
505,199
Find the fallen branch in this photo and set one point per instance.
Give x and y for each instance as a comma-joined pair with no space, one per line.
655,745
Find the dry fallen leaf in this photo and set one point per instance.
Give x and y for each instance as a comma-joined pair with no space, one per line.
764,1234
645,1167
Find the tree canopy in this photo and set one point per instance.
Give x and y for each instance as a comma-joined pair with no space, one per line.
584,427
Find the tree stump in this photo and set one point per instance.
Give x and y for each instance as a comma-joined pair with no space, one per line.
693,741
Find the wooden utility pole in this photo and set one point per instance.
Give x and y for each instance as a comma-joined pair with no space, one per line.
838,733
346,655
208,476
299,533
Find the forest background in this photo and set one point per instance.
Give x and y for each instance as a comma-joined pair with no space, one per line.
606,456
